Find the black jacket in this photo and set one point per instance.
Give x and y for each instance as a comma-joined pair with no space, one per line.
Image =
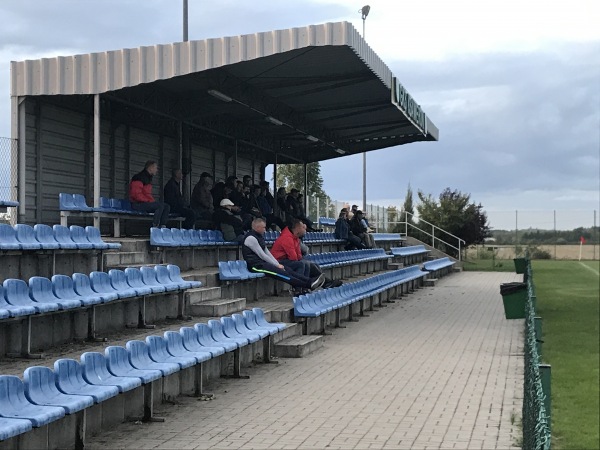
173,196
251,258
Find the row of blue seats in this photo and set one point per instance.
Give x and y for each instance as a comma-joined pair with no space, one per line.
46,395
437,264
409,251
236,271
174,237
19,298
334,259
77,202
43,237
327,221
387,237
311,236
321,302
8,204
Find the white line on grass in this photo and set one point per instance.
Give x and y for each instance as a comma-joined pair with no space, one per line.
590,268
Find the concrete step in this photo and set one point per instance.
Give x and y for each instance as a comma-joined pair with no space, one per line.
281,315
456,269
395,265
122,258
292,329
298,346
200,295
131,244
430,282
208,278
218,307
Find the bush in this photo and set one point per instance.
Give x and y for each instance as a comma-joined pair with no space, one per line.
536,253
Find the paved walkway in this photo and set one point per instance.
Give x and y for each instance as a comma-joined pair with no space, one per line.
440,368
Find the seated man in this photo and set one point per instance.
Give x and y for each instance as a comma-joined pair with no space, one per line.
359,227
342,231
202,199
140,195
287,249
259,259
174,198
226,220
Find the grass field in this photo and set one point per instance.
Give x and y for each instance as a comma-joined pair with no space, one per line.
568,298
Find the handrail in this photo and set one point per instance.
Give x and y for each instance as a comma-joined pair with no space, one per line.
434,226
458,249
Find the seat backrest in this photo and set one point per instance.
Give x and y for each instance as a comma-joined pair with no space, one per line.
138,352
62,234
134,277
93,235
149,276
156,237
8,235
44,234
16,292
115,203
94,363
167,236
78,235
105,203
117,357
39,381
126,204
80,283
79,201
66,202
118,280
100,282
25,234
162,274
174,273
40,289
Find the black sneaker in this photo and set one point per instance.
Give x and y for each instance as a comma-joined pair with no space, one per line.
336,283
318,282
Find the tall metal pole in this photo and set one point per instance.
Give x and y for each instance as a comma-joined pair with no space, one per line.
185,20
364,156
554,234
97,156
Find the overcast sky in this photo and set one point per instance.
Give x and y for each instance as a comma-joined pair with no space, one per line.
513,86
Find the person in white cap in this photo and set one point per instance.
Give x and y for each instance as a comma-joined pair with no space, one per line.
226,219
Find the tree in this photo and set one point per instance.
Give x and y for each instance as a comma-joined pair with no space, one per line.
407,207
292,176
455,213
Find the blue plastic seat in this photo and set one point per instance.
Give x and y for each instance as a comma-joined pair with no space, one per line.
40,290
120,366
69,380
40,389
100,282
167,238
217,332
8,238
230,330
93,235
149,279
139,357
225,272
134,279
13,427
162,276
26,237
156,238
176,348
95,371
118,280
203,236
66,202
236,269
80,203
17,293
80,238
240,326
213,236
45,236
194,237
178,237
116,205
105,205
191,342
63,237
80,286
14,404
250,320
243,269
8,310
157,347
262,321
205,337
175,276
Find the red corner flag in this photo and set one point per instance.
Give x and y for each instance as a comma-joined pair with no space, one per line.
582,240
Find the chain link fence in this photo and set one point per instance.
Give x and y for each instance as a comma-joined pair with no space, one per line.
8,175
536,383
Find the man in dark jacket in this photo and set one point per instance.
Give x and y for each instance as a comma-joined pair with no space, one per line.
259,259
174,198
140,195
342,231
226,220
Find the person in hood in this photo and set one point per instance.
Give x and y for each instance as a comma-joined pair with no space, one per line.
140,195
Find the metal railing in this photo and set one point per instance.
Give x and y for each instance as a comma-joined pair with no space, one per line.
537,405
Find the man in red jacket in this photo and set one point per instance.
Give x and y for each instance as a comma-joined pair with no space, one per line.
288,252
140,195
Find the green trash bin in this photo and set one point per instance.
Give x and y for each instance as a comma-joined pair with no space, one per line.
520,265
514,297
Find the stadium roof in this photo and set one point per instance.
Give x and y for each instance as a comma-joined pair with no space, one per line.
306,94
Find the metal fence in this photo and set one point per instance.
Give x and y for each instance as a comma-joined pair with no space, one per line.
8,176
537,407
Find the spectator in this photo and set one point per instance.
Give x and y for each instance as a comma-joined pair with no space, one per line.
281,206
359,228
342,231
287,249
295,210
260,201
174,198
226,220
218,193
140,195
266,193
202,200
259,259
247,181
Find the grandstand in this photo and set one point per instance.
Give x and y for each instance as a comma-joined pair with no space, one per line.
182,301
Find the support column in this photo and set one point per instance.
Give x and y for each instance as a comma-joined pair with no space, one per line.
235,159
306,189
96,157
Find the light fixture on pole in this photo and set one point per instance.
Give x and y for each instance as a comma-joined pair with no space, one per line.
220,96
340,151
274,121
185,20
312,138
364,11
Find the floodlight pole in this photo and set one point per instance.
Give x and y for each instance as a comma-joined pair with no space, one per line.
185,20
364,11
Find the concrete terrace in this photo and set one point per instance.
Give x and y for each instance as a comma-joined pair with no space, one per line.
440,368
